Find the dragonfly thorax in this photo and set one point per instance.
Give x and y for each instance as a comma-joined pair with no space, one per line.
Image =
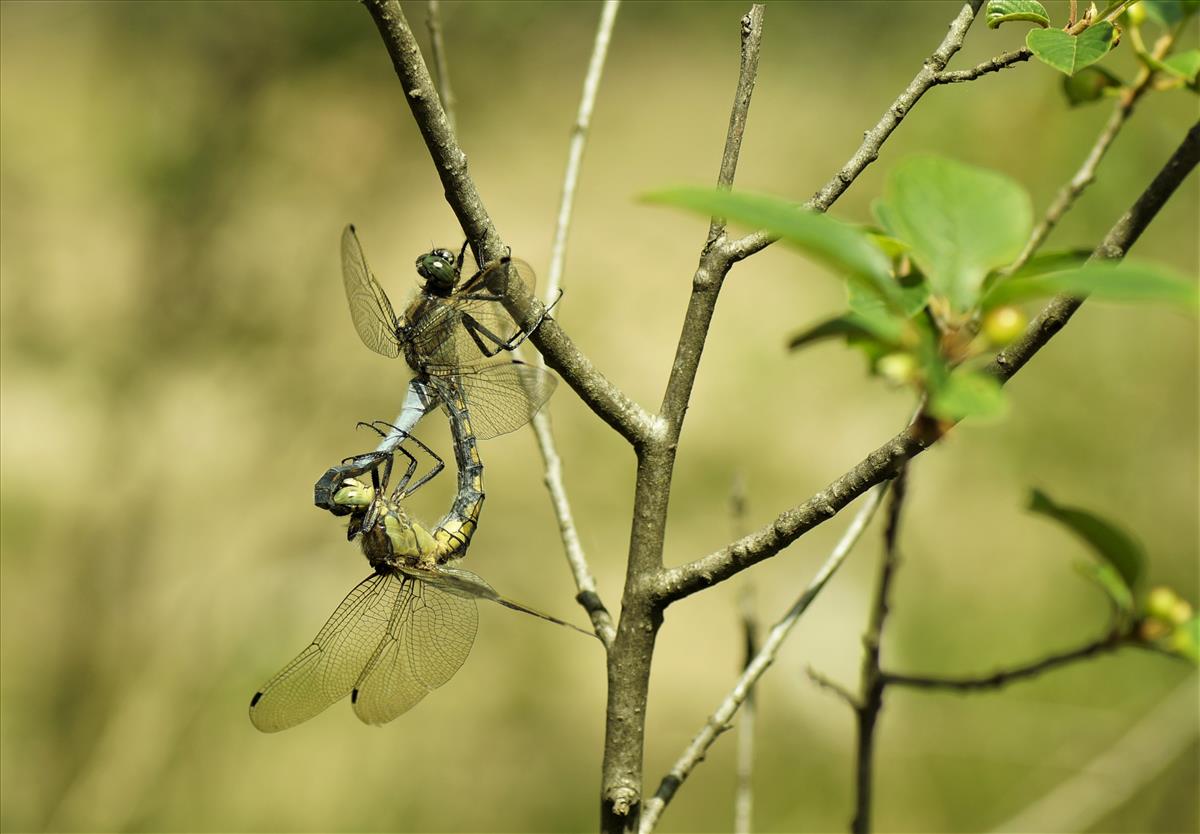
441,271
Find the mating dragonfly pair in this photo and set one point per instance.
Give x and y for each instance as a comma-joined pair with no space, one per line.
408,627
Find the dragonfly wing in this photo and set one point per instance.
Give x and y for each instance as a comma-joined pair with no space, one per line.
373,316
327,670
457,580
428,639
469,326
500,396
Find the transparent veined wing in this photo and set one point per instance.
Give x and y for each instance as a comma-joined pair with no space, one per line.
501,396
373,316
463,582
468,326
328,669
428,638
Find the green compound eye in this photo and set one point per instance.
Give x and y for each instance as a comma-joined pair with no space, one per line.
439,268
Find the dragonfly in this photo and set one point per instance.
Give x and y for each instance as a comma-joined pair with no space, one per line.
404,630
451,336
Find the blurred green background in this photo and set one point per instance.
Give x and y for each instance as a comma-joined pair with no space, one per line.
178,368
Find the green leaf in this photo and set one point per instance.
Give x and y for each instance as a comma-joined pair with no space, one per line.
1185,65
840,246
1110,582
1110,543
1128,281
1003,11
1071,53
960,222
885,331
967,394
1089,84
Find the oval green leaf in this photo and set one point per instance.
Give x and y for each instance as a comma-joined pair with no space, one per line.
845,249
1004,11
1110,543
1071,53
959,221
1128,281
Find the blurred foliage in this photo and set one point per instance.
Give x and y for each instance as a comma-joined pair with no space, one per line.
176,369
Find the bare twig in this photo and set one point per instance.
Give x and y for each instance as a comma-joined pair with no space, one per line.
1104,645
1135,760
874,138
611,404
870,699
724,713
579,135
437,47
1087,171
585,582
833,687
996,64
885,461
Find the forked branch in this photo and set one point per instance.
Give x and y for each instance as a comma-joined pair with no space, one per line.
884,462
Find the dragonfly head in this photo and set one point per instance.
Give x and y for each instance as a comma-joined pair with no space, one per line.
440,269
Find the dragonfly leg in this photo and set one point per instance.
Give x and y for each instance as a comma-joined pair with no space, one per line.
438,466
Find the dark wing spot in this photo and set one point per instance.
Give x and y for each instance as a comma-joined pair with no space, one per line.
255,699
354,696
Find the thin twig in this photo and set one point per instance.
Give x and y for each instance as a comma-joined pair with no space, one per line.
579,136
874,138
719,720
1104,645
1087,171
714,264
743,801
585,582
1112,778
884,462
747,78
870,698
996,64
830,685
433,21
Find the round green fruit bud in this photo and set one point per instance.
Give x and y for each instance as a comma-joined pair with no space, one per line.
1003,324
1135,14
897,368
1161,602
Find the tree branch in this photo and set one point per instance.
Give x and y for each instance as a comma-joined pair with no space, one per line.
885,461
1087,171
1105,645
874,138
585,582
714,265
605,399
641,613
719,720
996,64
870,699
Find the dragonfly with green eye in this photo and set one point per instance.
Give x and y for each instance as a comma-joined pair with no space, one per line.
404,630
451,336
